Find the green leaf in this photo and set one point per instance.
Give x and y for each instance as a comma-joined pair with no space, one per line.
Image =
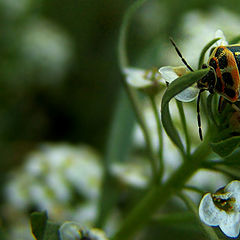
226,147
43,229
233,159
173,89
117,149
202,55
51,231
210,108
122,46
38,222
235,40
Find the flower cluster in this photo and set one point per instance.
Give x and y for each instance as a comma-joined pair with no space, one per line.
73,231
223,209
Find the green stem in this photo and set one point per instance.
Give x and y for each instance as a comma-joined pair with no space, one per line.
194,189
233,173
123,62
190,204
235,40
138,113
160,138
202,55
184,124
158,195
122,46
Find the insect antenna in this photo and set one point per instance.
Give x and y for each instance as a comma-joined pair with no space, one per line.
180,55
198,115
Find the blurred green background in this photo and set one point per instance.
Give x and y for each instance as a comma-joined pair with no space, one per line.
58,65
59,74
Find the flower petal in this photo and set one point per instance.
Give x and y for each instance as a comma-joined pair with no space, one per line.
70,231
169,74
97,234
230,225
187,95
222,41
234,188
135,77
208,212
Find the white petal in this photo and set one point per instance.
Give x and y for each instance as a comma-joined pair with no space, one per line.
70,231
222,41
208,212
234,188
135,77
230,225
97,234
168,74
188,94
134,174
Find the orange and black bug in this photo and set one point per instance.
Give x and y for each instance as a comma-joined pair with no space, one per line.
222,78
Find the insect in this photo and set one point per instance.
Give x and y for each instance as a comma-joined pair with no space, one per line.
222,78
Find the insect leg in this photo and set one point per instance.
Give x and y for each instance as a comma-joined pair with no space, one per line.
180,55
221,104
198,115
235,107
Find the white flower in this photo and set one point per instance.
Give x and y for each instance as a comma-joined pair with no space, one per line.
73,231
135,174
169,74
222,41
51,177
85,213
140,78
47,49
223,209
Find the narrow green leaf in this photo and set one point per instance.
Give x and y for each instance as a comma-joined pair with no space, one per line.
231,171
226,147
122,46
233,159
210,109
173,89
117,149
235,40
43,229
202,55
184,125
38,223
51,231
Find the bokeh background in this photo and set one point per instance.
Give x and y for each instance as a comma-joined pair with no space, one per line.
59,74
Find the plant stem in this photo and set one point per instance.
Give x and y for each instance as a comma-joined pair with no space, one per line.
160,138
158,195
184,124
191,205
193,189
123,62
202,55
122,46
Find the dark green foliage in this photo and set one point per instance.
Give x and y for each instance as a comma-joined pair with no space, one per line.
173,89
225,147
43,229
